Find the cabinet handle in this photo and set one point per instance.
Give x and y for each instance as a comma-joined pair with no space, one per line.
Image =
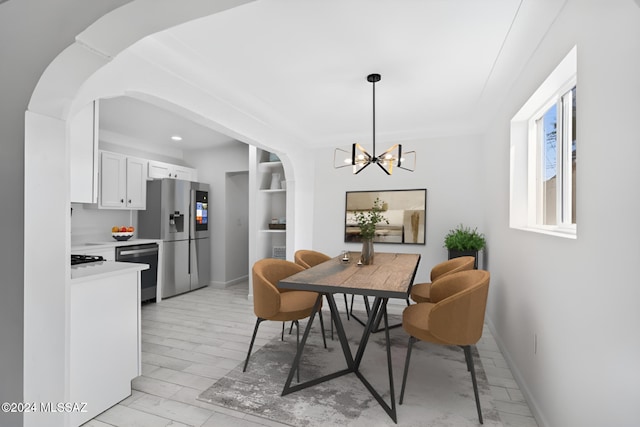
121,200
129,201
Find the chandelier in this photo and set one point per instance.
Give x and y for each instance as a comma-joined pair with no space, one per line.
359,158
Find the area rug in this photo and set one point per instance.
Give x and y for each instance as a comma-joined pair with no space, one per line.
438,393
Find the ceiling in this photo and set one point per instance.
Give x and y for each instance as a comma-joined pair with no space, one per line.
149,124
301,67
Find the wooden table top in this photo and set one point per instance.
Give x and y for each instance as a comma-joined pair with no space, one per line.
390,276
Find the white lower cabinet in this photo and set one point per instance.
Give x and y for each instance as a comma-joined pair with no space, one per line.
104,342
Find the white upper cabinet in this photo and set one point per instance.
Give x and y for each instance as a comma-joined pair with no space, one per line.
83,147
123,183
183,172
136,183
159,170
113,178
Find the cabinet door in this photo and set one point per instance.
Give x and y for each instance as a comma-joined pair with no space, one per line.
83,150
104,341
136,183
113,176
159,170
180,172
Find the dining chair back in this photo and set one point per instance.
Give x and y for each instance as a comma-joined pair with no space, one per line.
421,292
308,258
455,316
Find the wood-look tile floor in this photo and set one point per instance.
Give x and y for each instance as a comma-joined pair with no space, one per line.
191,340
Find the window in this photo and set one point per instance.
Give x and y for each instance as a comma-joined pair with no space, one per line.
543,156
555,167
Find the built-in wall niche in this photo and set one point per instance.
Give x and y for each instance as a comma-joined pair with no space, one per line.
405,211
268,205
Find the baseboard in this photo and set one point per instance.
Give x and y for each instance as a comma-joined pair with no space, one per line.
531,401
223,285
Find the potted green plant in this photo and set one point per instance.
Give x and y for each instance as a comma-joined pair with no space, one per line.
463,241
367,221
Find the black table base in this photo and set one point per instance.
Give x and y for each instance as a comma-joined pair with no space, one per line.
367,307
376,314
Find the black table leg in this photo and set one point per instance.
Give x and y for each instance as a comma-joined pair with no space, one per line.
366,307
368,311
377,312
379,307
343,342
296,360
368,328
342,335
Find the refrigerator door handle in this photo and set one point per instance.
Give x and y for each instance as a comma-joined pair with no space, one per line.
190,234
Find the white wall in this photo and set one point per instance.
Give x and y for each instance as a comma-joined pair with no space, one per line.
40,37
579,296
237,226
450,170
36,38
214,172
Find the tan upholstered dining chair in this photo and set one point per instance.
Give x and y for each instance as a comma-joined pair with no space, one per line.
455,316
273,303
307,259
421,292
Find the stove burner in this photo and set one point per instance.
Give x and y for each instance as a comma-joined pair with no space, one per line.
84,259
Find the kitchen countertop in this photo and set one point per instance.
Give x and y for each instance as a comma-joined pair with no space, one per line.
78,248
102,269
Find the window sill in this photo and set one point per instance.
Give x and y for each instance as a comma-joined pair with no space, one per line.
567,233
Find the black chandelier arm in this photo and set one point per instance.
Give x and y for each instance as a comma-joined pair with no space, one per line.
382,167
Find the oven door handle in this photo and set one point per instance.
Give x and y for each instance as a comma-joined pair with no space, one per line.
137,252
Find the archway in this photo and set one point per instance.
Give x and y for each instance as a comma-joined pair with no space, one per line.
89,69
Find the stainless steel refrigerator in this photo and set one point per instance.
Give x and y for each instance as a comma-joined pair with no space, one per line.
178,214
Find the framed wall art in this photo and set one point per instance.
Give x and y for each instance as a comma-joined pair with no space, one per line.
404,210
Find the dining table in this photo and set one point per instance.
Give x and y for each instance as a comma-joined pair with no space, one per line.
391,275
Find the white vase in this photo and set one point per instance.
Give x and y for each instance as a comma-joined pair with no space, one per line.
275,181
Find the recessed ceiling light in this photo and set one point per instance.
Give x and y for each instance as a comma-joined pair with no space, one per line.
176,138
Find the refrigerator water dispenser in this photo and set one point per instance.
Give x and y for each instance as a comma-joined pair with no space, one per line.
176,222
